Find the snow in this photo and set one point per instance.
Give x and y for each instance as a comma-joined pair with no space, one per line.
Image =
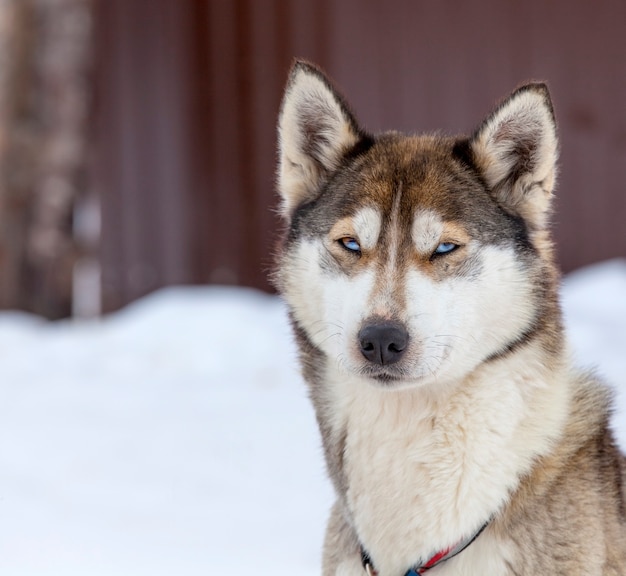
176,437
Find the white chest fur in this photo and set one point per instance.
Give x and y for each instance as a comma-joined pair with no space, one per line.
425,470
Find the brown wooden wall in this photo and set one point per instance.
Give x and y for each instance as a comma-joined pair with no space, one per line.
188,93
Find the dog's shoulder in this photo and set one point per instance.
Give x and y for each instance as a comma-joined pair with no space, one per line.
577,489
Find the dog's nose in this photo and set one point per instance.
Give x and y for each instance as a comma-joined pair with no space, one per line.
383,342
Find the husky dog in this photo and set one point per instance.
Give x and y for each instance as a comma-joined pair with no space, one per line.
423,293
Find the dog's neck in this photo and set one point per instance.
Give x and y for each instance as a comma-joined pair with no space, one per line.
424,468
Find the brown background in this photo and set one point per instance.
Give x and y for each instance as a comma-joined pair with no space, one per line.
187,94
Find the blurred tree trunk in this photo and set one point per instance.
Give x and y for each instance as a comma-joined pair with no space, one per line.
45,58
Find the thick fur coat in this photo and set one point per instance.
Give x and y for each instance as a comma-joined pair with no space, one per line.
421,283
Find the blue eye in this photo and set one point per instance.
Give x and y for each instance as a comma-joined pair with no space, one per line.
350,244
446,247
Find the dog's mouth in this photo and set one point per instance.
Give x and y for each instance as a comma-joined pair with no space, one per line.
397,375
385,376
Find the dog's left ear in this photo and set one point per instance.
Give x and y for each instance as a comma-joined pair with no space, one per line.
516,151
315,131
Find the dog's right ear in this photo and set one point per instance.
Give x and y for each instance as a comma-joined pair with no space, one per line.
315,130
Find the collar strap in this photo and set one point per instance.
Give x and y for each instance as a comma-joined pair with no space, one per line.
433,561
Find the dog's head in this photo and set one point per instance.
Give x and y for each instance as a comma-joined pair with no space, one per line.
412,259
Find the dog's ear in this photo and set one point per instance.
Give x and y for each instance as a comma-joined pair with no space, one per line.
516,151
315,130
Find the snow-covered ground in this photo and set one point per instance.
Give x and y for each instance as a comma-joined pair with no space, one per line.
175,437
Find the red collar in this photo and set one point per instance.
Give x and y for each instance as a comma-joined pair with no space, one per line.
422,567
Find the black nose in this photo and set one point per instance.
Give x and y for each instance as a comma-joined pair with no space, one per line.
383,342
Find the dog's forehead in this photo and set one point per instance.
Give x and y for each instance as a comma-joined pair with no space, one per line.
407,180
421,169
394,183
418,183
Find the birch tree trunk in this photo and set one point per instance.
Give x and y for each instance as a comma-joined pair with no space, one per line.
45,58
